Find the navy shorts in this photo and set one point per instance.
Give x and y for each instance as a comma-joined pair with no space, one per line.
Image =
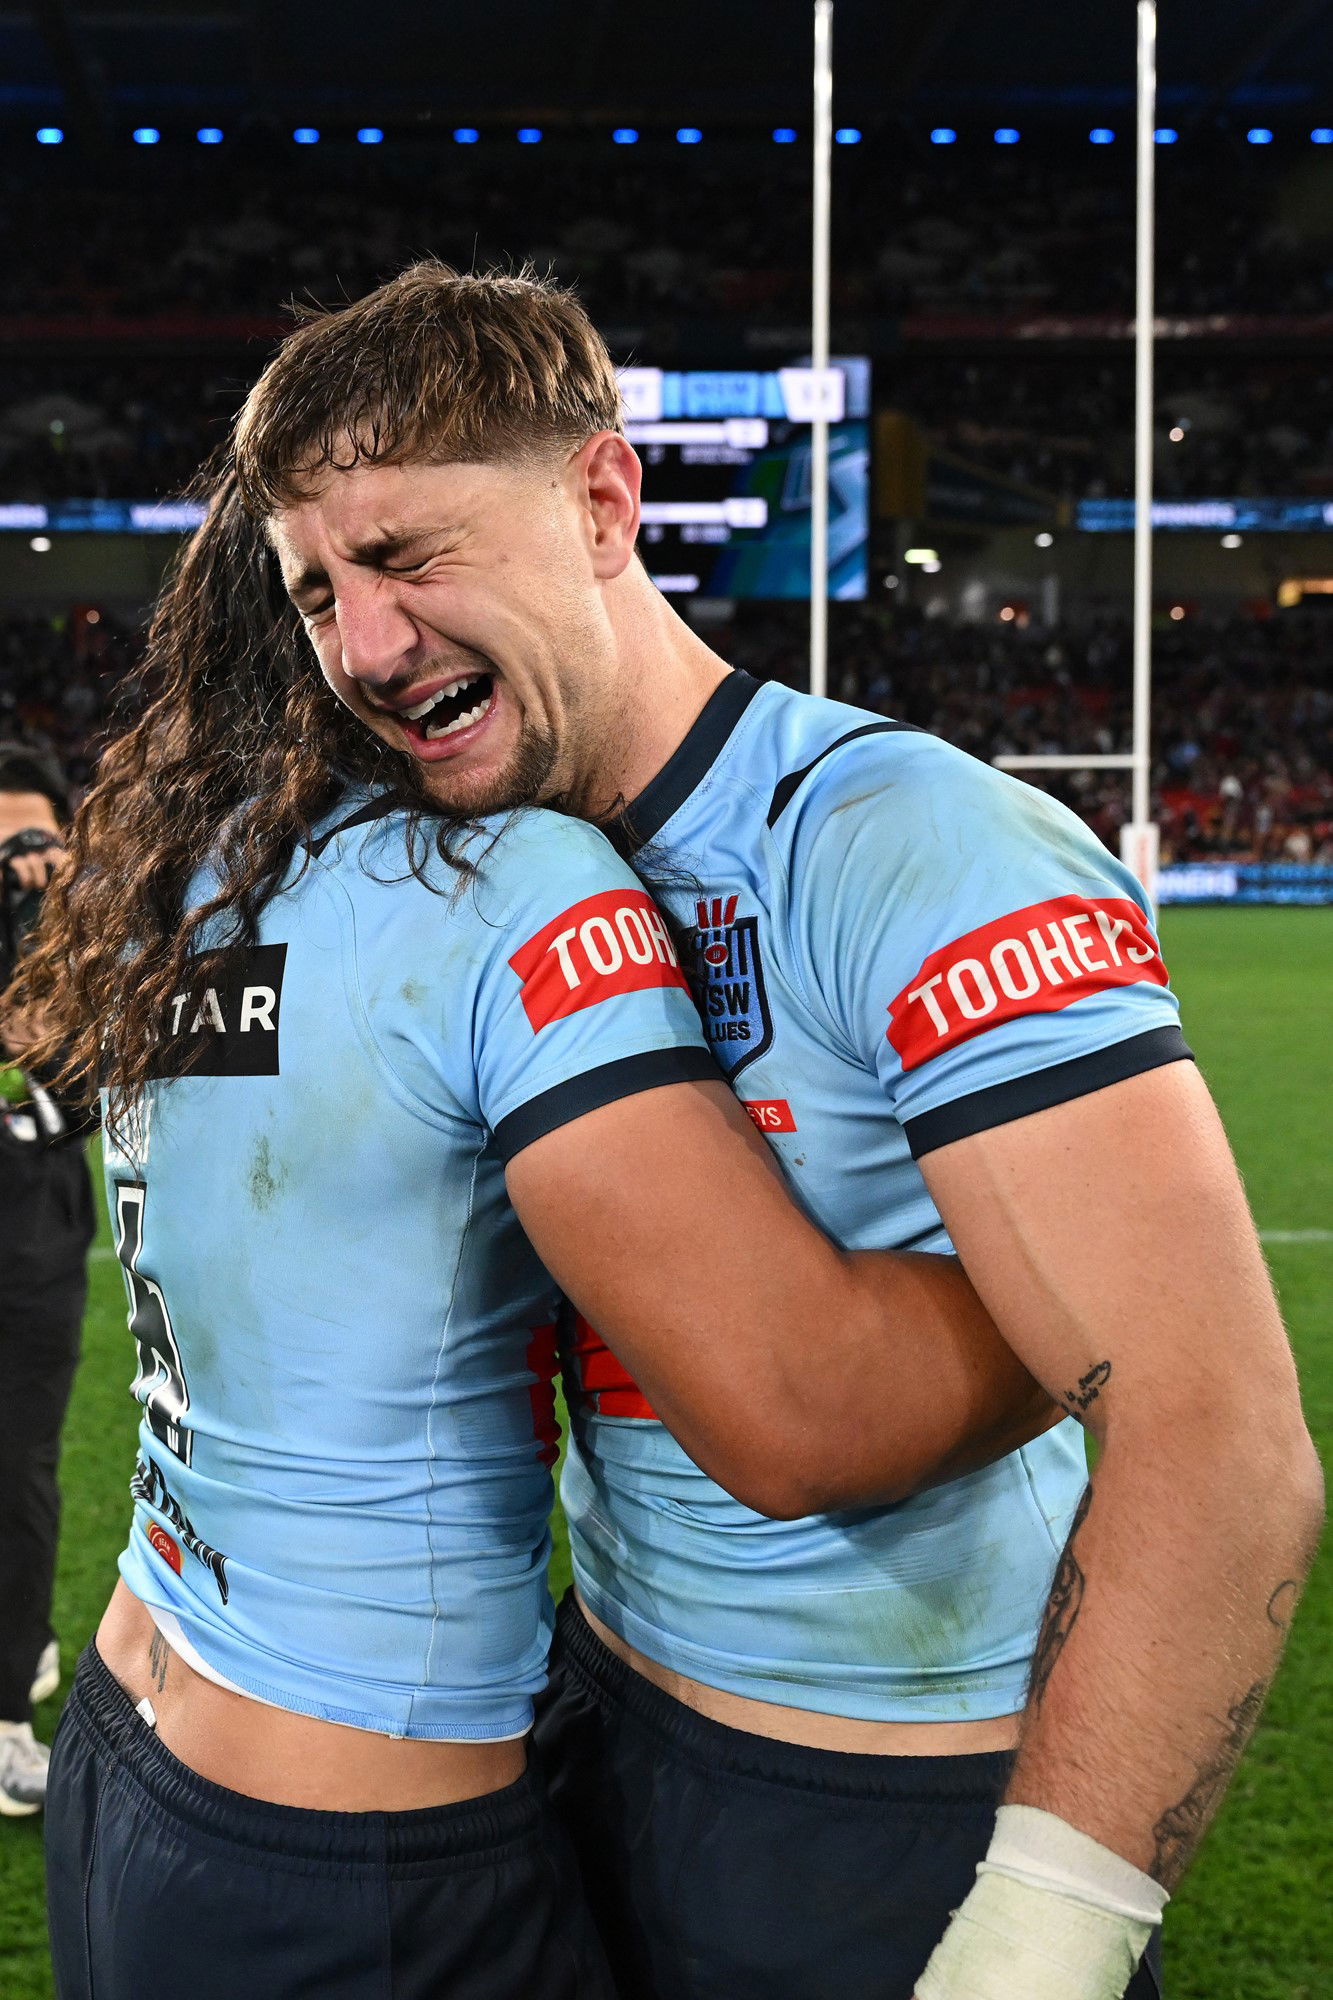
725,1866
161,1884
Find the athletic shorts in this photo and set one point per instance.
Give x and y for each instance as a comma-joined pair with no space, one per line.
725,1866
162,1886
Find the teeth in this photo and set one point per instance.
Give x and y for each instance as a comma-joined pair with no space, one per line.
425,707
460,722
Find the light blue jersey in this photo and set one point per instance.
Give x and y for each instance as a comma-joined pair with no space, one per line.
897,947
345,1341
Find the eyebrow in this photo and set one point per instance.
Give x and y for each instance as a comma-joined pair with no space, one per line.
373,552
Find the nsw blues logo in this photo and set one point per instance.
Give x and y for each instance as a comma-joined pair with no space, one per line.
732,999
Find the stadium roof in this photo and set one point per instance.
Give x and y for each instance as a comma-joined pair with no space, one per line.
651,60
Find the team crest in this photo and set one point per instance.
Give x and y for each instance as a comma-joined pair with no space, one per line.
732,999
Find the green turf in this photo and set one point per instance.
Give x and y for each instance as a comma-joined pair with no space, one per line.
1254,1920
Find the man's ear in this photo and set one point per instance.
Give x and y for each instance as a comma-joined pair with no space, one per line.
611,476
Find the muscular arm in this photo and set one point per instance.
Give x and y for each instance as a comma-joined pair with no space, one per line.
1111,1240
799,1376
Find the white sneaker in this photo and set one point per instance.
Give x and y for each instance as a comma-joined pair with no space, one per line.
23,1764
47,1678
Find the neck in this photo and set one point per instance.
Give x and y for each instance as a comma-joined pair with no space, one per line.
664,676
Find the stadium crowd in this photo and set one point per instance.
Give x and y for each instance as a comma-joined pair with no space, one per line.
721,229
1242,716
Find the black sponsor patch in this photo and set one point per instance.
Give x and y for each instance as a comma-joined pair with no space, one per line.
730,975
231,1028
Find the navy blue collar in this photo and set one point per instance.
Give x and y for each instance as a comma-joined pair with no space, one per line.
688,765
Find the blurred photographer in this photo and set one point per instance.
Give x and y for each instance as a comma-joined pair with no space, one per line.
46,1226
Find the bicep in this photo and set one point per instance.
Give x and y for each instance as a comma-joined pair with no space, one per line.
1111,1240
662,1216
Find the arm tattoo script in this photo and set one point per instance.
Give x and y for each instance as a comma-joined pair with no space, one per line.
1089,1388
1181,1827
1062,1608
159,1654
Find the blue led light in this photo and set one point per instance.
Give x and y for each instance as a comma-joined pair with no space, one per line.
1322,135
49,135
625,135
370,135
943,135
784,135
1165,136
529,135
147,135
306,135
1102,135
466,135
209,135
689,135
847,135
1259,135
1006,135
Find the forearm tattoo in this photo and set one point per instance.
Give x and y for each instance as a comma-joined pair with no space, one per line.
1062,1608
1180,1829
159,1655
1090,1387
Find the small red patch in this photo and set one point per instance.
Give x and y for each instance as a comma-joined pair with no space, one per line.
164,1545
1034,961
771,1114
599,1376
606,945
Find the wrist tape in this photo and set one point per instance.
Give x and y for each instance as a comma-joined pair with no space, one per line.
1053,1915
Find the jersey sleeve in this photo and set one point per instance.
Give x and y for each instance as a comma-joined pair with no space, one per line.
970,938
555,986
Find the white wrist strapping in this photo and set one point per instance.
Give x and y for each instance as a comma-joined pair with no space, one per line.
1053,1915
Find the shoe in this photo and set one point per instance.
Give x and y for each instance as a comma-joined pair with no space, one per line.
23,1764
47,1678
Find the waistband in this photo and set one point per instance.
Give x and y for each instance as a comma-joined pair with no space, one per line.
100,1708
977,1779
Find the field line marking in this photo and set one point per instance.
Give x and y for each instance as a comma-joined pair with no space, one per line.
1296,1235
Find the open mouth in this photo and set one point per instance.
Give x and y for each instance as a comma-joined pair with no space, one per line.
451,711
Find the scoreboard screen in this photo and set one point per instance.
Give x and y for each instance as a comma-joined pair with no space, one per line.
726,478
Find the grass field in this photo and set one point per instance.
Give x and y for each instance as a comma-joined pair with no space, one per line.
1254,1920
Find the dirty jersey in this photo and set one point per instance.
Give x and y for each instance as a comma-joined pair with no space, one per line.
895,947
345,1342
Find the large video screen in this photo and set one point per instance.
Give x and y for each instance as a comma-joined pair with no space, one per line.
726,484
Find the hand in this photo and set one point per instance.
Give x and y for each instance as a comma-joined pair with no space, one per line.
34,871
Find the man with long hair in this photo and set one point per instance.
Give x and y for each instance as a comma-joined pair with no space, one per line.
355,1028
785,1747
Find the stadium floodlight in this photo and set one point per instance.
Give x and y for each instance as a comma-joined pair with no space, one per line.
1322,135
50,135
370,135
209,135
306,135
40,545
146,135
784,135
1006,135
1165,135
1044,539
922,556
1231,541
466,135
529,135
689,135
625,135
1259,135
1102,135
847,135
943,135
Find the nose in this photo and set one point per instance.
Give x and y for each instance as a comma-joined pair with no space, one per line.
376,634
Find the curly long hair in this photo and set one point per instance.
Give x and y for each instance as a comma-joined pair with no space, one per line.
241,747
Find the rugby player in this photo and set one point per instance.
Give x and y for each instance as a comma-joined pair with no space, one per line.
295,1761
787,1748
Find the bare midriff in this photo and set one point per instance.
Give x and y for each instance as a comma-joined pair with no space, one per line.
810,1727
280,1756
